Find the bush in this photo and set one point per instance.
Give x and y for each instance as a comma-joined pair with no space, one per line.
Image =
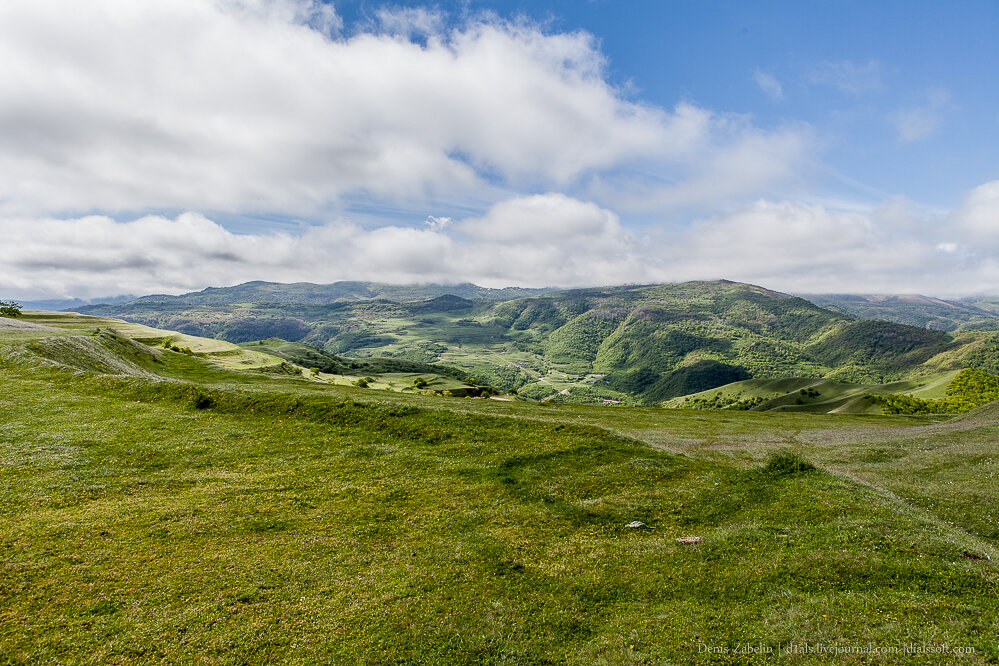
968,390
10,308
361,382
202,401
787,463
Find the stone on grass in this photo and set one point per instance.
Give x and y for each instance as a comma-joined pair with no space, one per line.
689,540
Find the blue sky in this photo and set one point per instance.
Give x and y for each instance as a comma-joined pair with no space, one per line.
805,146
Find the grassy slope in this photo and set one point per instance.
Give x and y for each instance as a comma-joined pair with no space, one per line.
814,395
218,352
292,521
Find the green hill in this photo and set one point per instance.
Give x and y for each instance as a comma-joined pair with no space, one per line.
815,395
160,506
913,309
632,344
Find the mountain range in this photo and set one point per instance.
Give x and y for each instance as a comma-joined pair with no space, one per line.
638,344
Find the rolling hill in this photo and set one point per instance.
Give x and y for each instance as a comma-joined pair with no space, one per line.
632,344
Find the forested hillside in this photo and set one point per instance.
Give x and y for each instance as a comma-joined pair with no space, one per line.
631,344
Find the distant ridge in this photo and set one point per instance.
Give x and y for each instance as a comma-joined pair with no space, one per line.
338,292
912,309
73,303
633,343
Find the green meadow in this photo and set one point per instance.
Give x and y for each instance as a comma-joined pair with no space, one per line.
164,501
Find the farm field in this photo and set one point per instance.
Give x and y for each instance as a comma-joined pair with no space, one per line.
192,512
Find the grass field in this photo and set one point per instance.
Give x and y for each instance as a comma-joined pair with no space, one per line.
810,394
188,512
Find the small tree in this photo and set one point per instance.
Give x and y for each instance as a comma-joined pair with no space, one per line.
420,382
10,308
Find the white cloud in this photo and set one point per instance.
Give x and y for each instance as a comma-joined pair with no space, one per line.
543,217
978,216
800,247
537,240
438,223
768,84
543,239
408,21
735,160
848,76
919,122
265,106
239,105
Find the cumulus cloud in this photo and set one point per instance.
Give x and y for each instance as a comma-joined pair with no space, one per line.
520,241
537,240
243,105
543,217
978,216
802,247
267,105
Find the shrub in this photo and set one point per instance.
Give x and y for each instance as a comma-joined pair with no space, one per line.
202,401
787,463
361,382
10,308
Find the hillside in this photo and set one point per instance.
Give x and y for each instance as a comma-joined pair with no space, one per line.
810,394
632,344
96,344
164,508
912,309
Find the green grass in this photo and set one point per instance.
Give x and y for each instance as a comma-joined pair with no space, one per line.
240,517
817,395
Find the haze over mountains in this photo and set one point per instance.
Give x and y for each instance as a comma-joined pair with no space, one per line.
642,344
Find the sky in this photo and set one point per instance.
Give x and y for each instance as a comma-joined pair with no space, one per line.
165,146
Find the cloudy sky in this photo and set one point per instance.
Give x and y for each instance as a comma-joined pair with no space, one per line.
162,146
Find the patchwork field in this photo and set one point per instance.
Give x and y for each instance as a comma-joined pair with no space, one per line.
168,508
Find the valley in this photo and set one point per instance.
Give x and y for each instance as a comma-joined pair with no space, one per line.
631,345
